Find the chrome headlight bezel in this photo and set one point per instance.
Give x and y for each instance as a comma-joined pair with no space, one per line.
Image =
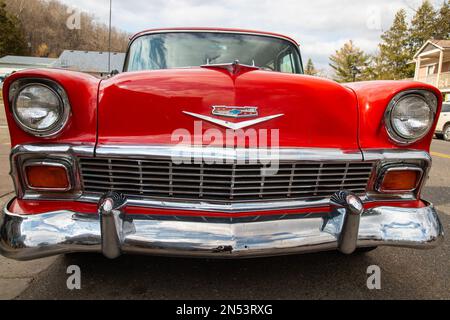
19,85
432,102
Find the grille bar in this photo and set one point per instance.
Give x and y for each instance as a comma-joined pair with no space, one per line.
225,183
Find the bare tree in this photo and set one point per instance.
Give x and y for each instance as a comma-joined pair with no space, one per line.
44,24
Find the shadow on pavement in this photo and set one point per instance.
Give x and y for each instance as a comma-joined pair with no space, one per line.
303,277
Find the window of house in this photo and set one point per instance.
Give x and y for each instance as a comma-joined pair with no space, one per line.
446,107
446,97
431,69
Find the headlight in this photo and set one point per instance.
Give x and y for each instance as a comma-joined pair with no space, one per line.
40,109
410,116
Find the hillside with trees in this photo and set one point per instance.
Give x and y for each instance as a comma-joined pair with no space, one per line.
12,41
42,26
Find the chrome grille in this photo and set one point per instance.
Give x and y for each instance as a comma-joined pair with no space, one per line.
225,183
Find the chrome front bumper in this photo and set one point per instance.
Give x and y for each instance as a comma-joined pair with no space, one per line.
113,232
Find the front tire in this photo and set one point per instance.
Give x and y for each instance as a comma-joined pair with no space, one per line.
446,133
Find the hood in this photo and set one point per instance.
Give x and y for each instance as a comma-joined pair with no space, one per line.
148,107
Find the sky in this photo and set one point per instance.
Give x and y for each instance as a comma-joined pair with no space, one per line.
320,26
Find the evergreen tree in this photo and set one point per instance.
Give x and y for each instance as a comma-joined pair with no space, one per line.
393,61
423,26
350,63
310,69
12,41
443,22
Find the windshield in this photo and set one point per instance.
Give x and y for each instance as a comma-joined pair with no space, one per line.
182,50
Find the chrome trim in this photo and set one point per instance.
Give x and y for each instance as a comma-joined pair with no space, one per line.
352,208
426,95
51,85
112,220
386,155
379,156
57,153
233,67
218,208
399,157
255,33
394,167
53,233
233,125
232,154
58,164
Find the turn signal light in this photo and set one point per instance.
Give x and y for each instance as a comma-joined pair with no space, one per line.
47,177
400,180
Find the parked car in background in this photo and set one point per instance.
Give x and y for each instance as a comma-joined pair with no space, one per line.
443,126
150,161
2,78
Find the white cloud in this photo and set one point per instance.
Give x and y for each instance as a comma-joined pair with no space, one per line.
320,26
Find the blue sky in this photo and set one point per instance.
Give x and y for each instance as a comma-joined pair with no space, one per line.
320,26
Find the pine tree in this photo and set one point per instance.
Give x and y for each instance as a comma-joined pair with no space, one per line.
310,68
423,26
393,61
12,41
350,63
443,22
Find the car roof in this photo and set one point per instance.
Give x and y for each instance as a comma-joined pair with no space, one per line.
224,30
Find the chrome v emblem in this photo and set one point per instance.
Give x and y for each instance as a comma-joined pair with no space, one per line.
232,125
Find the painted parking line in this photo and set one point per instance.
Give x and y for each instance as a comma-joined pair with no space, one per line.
440,155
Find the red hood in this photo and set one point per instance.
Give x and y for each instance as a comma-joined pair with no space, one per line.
147,107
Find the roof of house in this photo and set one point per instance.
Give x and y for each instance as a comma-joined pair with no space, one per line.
431,45
90,61
445,44
27,61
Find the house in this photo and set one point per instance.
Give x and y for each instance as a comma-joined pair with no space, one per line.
92,62
433,65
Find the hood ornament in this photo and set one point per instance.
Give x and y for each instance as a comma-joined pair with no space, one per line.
234,68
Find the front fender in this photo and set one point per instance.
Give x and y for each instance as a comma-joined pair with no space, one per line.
373,98
82,91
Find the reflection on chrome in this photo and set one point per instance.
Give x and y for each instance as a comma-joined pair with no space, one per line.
37,236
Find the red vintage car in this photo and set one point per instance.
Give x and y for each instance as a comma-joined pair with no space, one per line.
213,143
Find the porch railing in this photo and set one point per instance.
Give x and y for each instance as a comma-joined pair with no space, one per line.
444,80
